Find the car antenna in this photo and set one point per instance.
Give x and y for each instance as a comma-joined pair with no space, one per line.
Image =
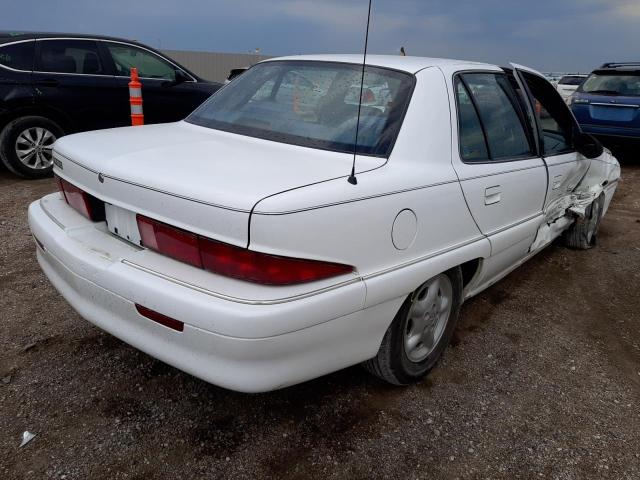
352,178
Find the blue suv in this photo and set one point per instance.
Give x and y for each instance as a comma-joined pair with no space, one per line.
607,104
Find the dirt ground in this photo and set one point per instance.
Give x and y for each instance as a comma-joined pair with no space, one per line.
542,381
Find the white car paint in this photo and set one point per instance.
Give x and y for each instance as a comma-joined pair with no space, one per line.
411,216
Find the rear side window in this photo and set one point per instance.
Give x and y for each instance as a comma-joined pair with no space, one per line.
472,141
498,114
18,56
69,56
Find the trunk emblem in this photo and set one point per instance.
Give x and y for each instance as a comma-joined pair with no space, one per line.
101,178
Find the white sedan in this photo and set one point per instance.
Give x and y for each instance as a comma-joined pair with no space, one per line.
568,85
232,246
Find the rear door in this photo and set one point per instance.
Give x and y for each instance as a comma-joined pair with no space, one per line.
556,127
503,179
71,77
16,64
164,100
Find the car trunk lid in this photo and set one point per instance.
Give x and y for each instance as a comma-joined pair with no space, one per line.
196,178
622,110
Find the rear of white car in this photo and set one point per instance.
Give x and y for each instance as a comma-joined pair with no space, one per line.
148,240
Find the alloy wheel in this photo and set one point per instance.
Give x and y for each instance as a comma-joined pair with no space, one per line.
34,148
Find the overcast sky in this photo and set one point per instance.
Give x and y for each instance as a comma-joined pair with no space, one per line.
550,35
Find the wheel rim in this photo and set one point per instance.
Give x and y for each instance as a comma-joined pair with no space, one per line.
428,317
34,148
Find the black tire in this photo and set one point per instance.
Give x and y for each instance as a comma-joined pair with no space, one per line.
392,363
8,147
582,234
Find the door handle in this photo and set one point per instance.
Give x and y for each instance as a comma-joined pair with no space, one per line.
557,181
47,82
492,195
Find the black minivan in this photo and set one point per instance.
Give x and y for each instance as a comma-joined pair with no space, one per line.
56,84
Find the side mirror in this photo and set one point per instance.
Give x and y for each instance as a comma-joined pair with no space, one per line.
588,145
181,77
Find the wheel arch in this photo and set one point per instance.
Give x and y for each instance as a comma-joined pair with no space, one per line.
402,281
56,116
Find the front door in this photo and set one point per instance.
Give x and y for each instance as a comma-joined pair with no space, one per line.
164,99
502,178
556,126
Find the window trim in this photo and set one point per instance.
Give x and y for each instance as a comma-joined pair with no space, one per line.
13,43
488,161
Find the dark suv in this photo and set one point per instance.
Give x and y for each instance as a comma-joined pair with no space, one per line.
607,104
55,84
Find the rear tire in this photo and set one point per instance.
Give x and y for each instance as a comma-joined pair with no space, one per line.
582,234
398,361
26,146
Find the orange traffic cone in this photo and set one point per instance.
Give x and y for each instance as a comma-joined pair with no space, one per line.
135,98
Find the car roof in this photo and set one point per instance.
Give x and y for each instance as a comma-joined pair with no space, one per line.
7,36
620,66
396,62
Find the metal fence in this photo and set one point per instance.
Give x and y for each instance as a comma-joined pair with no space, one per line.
212,65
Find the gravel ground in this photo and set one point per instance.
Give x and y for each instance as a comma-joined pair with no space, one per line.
542,381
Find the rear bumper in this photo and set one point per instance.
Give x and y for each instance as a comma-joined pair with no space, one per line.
208,347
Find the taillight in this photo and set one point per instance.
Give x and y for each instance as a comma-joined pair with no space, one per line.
86,204
231,261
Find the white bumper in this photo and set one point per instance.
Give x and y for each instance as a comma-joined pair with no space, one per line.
219,343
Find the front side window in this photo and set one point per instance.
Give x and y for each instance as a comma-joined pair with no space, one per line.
554,118
18,56
612,83
69,56
148,64
499,114
313,104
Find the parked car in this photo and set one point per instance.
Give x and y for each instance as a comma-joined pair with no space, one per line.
607,104
231,245
568,85
56,84
235,72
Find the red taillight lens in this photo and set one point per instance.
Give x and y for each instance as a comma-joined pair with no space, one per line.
263,268
232,261
170,241
87,205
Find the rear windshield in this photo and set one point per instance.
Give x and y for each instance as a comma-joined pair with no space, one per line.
312,104
571,80
611,83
